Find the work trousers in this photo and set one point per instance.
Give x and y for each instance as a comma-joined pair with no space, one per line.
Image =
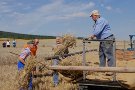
106,52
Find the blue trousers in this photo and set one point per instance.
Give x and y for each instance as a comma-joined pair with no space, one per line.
106,52
55,74
20,67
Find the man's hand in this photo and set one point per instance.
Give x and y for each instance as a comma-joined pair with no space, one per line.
21,60
92,37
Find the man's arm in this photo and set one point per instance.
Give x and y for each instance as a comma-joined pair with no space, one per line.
98,28
23,55
21,60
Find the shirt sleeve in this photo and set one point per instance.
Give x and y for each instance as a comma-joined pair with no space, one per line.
24,54
98,27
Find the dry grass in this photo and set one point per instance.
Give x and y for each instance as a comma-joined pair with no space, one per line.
8,66
8,77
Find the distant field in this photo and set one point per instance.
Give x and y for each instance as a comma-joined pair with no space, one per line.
8,64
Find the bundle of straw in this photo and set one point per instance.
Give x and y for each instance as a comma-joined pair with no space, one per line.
69,41
71,61
59,50
24,74
23,79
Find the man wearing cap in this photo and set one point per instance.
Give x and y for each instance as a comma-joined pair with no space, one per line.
33,52
34,49
102,30
21,62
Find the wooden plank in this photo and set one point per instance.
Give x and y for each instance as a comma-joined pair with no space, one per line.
95,69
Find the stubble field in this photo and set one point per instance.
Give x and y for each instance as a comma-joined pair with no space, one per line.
8,65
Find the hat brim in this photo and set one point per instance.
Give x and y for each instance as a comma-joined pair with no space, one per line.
94,15
30,42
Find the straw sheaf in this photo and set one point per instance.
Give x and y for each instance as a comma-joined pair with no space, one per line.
69,40
24,74
30,64
71,61
23,79
59,50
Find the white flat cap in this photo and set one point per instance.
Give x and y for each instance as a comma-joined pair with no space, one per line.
94,12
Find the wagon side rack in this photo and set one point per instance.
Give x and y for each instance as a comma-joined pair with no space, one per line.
86,84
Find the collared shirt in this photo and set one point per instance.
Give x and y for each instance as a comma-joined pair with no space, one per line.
101,28
33,50
25,53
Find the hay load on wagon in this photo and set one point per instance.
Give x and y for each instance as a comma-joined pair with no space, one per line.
71,61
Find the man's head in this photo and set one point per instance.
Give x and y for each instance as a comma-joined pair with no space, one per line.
95,15
36,41
59,40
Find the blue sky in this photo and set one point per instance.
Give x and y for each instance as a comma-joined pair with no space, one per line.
58,17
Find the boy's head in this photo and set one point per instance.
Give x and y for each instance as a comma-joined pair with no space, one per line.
59,40
30,44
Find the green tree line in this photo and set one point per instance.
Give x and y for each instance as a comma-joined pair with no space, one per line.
4,34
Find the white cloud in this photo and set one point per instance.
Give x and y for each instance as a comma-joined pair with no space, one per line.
88,6
79,14
54,11
3,3
118,10
102,5
108,8
20,4
4,8
51,12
